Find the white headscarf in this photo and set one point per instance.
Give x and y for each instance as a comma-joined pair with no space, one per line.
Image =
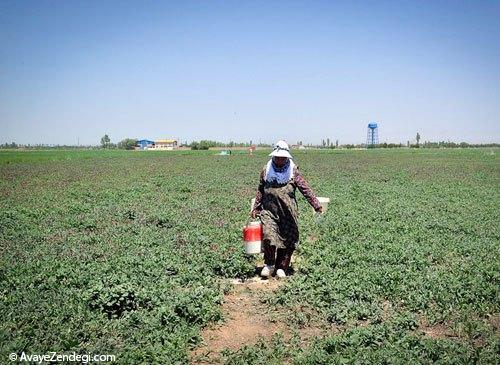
281,149
279,175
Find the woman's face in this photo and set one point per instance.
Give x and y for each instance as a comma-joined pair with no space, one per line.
280,161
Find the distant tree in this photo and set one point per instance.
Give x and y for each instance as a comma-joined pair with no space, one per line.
9,145
127,144
418,139
328,142
205,145
337,143
105,141
323,143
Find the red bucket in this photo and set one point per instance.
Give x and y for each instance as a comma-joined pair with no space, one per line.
252,237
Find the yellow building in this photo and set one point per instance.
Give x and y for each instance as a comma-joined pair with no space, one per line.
166,144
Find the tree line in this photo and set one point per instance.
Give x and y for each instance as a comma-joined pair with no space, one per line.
131,143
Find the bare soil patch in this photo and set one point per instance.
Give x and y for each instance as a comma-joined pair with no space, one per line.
494,321
247,319
437,331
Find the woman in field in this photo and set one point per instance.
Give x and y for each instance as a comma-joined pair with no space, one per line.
277,207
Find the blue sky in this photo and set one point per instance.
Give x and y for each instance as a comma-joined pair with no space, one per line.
249,70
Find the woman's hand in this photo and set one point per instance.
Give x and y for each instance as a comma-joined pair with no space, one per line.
255,213
319,210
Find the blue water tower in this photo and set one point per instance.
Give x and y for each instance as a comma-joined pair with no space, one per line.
372,135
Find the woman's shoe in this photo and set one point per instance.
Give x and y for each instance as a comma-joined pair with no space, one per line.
266,271
280,273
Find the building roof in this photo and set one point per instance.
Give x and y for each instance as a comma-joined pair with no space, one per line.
166,141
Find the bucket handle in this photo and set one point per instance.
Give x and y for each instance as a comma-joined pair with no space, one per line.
252,202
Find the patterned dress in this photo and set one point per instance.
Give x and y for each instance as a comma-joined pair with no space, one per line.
278,209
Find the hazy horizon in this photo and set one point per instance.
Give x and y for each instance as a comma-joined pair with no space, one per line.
301,71
252,142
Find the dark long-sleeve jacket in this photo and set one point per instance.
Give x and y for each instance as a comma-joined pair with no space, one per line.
298,181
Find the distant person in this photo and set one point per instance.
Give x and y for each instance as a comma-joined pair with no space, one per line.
276,204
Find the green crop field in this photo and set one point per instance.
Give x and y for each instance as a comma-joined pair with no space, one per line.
128,253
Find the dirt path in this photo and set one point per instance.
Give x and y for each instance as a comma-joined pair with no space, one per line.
247,320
